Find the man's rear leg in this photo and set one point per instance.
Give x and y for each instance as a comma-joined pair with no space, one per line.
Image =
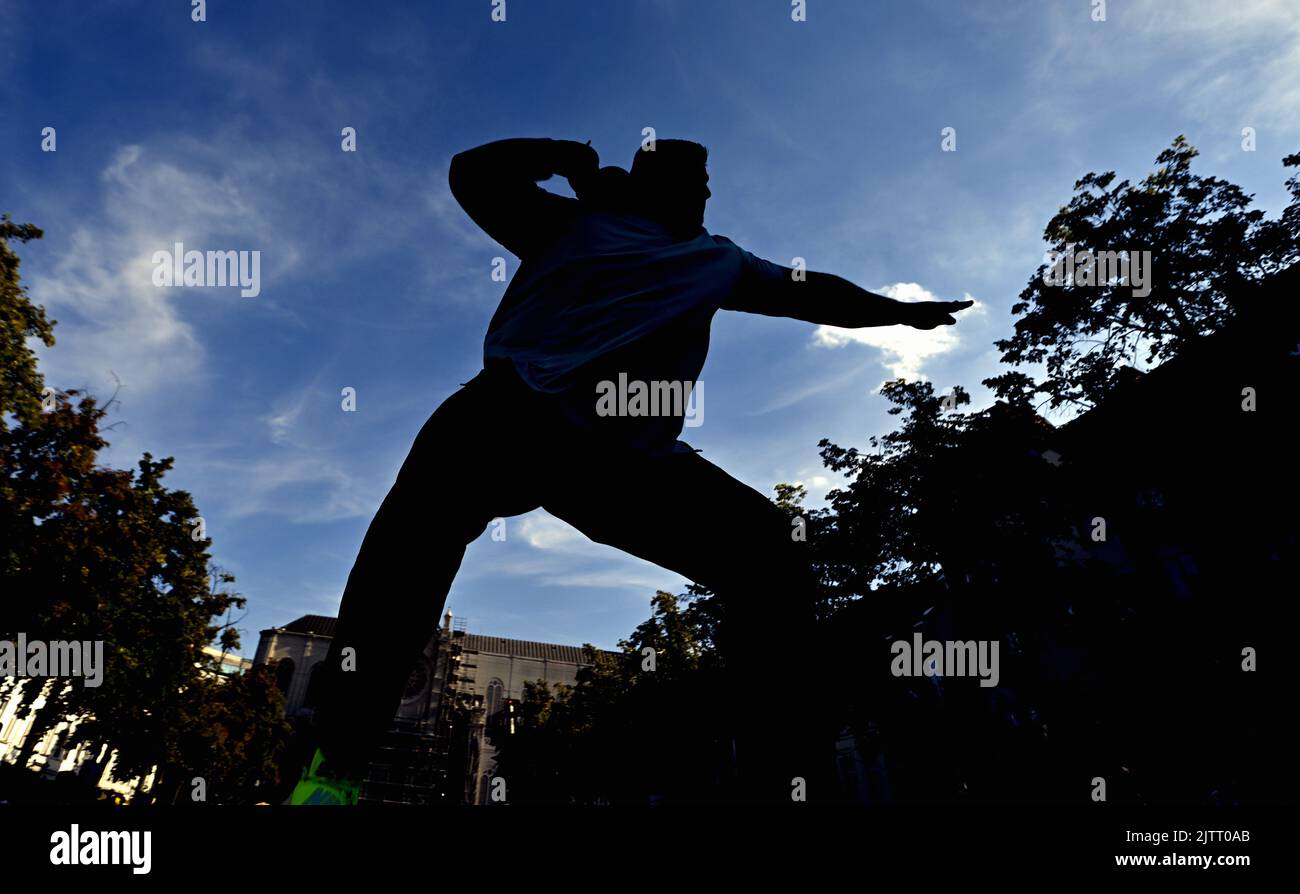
740,546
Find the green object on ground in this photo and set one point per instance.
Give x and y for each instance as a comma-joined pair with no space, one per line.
319,786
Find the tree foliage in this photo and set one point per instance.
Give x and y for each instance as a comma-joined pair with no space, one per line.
624,732
90,553
967,525
1206,245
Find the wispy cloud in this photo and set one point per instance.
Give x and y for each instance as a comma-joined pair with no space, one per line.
559,555
808,389
1224,62
542,531
300,488
111,315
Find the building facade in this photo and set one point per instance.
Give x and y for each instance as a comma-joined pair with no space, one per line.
439,748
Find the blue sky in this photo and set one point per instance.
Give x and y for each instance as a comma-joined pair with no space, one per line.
824,141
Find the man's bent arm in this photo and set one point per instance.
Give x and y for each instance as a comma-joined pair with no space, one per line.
496,184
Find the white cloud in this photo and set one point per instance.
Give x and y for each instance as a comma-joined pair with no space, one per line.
111,315
562,556
905,350
542,531
816,487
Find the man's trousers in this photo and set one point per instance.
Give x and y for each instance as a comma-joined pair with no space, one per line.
497,448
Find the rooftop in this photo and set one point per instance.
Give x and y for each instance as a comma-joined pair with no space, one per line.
323,625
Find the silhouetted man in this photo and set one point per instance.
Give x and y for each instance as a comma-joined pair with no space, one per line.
625,280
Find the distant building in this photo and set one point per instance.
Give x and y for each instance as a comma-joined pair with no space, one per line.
50,756
230,663
439,748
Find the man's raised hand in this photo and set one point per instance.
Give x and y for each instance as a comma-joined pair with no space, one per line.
579,164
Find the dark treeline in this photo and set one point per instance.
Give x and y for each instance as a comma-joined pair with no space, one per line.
1131,561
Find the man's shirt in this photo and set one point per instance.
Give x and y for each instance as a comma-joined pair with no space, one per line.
616,294
598,292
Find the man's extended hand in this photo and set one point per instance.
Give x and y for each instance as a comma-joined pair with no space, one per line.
929,314
830,300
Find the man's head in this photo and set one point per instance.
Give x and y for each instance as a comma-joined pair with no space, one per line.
671,184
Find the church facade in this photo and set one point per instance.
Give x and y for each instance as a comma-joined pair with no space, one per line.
439,746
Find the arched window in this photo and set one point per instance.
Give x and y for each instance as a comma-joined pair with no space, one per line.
284,674
496,698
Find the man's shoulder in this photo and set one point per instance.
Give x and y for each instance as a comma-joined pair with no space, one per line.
747,258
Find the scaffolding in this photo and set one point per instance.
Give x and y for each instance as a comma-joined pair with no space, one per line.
432,759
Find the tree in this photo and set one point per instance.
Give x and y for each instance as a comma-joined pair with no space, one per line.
89,553
1206,245
966,526
627,729
886,526
229,732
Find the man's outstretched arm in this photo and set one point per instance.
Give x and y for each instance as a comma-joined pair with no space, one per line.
496,184
831,300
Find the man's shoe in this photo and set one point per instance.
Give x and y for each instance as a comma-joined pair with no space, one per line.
319,786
